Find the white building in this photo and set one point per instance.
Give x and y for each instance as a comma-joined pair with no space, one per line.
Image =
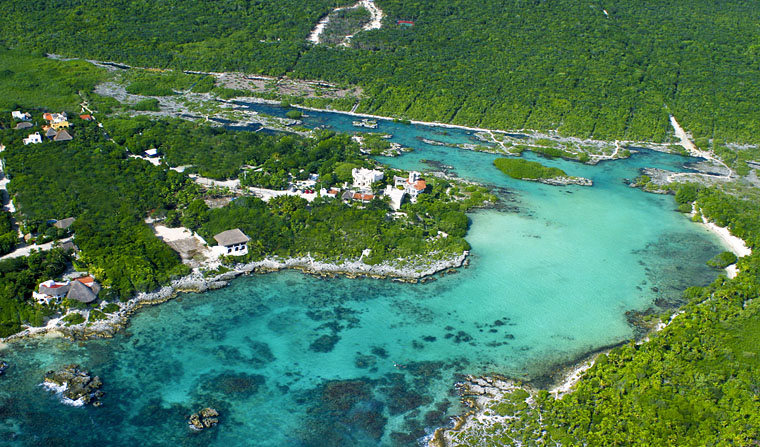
51,291
33,139
331,193
364,178
22,116
55,118
412,185
396,195
231,243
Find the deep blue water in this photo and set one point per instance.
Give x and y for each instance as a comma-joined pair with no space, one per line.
293,360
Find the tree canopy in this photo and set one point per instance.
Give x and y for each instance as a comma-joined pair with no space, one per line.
608,70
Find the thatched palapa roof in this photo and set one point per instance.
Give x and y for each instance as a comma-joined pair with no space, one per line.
231,237
64,223
62,135
80,292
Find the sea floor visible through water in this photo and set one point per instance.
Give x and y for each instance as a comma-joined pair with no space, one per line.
294,360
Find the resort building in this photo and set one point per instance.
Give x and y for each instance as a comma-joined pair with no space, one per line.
51,291
354,196
362,197
331,193
69,247
55,117
21,116
34,138
60,125
23,125
364,178
151,153
62,135
231,243
64,224
396,195
84,290
412,185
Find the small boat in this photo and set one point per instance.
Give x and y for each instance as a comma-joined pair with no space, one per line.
3,366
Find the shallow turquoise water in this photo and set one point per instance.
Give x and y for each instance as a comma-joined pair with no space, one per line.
292,360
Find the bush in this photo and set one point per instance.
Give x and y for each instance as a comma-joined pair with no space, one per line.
205,85
111,308
73,319
148,105
722,260
96,315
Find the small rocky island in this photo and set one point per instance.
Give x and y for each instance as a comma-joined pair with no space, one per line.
203,419
536,172
75,385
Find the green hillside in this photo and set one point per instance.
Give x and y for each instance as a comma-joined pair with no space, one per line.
560,64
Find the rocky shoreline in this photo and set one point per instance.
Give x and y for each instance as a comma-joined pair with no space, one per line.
564,181
415,270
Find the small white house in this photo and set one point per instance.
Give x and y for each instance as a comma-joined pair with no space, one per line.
412,185
51,291
33,139
364,178
151,153
396,195
331,193
22,116
231,243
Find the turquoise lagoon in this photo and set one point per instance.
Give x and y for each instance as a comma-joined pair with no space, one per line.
294,360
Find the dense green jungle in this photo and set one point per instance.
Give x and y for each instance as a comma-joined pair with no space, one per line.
611,70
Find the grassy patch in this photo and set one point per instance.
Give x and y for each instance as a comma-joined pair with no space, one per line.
523,169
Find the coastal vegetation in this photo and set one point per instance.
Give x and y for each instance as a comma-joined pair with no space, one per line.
8,236
98,179
33,81
18,278
330,230
692,383
722,260
116,244
524,169
221,154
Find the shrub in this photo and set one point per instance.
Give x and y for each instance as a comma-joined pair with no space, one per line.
73,319
722,260
147,104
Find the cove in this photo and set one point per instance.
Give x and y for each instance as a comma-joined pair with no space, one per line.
294,360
